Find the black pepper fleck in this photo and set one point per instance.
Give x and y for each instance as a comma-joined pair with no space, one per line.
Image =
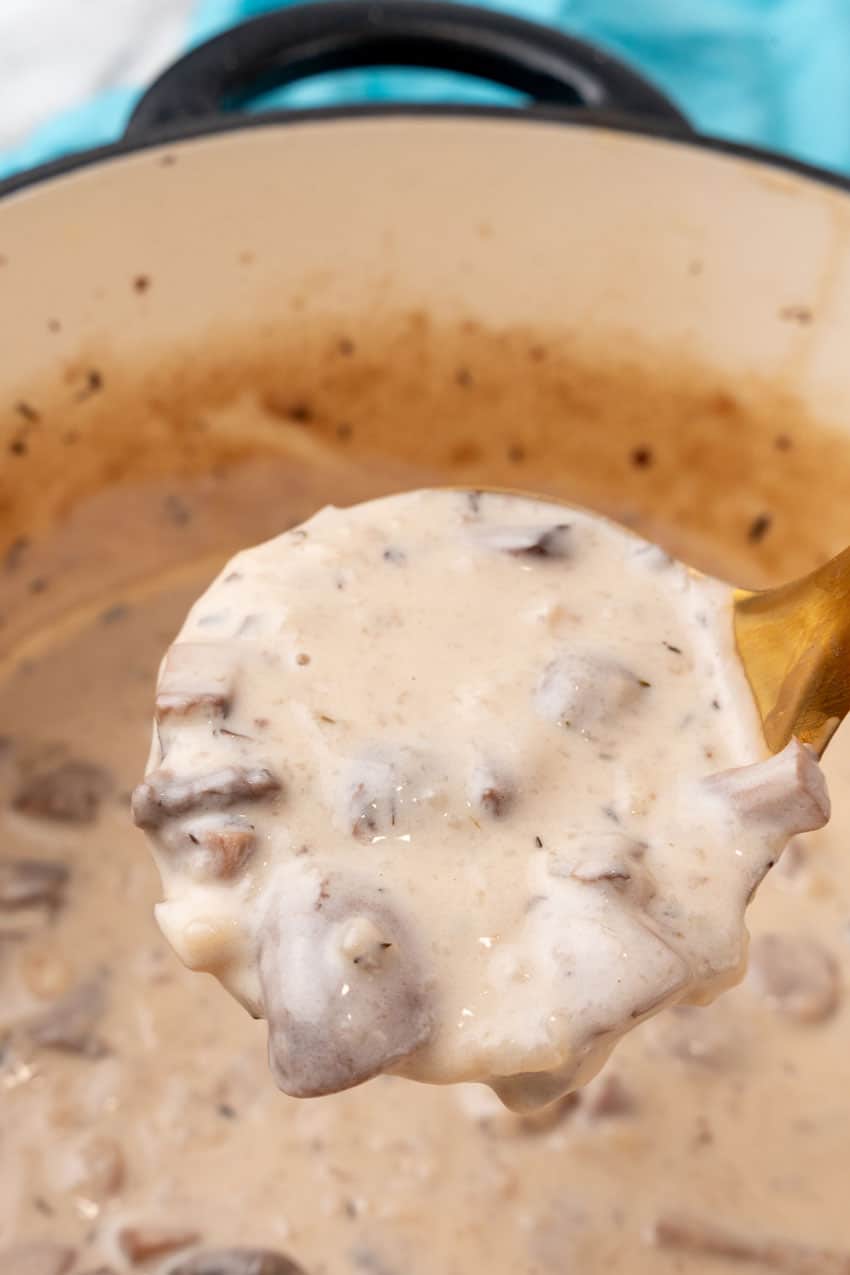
27,411
538,841
38,584
176,510
93,385
224,1109
758,528
15,553
113,614
802,314
516,453
641,457
301,412
677,650
141,283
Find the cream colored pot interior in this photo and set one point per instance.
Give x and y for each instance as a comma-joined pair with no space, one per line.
194,273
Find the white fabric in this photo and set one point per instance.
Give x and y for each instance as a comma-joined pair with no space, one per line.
56,53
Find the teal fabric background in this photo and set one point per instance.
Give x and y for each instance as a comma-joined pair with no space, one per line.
772,73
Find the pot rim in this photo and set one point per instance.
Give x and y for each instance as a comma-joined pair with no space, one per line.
538,115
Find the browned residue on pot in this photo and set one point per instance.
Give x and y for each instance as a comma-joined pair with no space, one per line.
541,411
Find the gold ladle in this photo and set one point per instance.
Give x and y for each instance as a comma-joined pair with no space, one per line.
794,644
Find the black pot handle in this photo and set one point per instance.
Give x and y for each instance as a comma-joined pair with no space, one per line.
289,44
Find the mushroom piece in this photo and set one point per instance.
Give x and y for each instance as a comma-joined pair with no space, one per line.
70,792
164,794
608,858
681,1233
490,791
219,846
377,792
788,791
196,675
553,541
585,690
345,992
71,1024
797,975
142,1242
26,883
367,801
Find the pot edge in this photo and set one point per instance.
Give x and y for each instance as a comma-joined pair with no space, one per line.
579,117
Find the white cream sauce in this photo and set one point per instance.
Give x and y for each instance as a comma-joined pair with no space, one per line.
462,786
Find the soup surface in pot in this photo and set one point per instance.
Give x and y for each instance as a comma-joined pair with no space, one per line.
139,1124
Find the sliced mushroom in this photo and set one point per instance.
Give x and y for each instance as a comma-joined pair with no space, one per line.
552,541
70,792
37,1259
164,794
71,1023
344,989
196,675
32,883
584,690
797,975
237,1261
788,791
